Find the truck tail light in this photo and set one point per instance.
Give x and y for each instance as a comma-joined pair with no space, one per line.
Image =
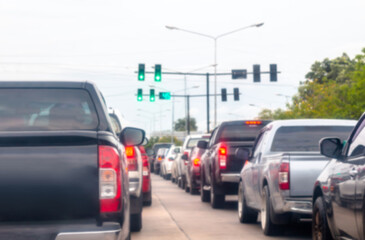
197,162
145,169
284,183
110,187
130,152
222,157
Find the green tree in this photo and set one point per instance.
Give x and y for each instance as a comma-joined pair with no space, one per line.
333,89
167,139
179,125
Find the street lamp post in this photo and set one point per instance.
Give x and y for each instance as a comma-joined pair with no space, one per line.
215,38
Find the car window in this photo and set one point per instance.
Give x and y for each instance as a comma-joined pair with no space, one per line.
212,138
193,142
306,138
46,109
357,146
259,143
115,124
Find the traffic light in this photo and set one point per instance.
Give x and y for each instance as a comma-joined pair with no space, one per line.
165,95
152,95
224,95
236,94
141,73
239,74
158,73
273,73
256,73
139,95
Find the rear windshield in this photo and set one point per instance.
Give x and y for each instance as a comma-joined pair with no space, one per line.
240,132
157,147
194,141
46,109
306,138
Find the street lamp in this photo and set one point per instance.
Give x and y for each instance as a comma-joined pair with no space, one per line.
215,38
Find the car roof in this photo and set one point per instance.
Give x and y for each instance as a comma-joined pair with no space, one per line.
45,84
312,122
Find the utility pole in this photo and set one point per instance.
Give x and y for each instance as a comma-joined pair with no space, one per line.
208,107
188,119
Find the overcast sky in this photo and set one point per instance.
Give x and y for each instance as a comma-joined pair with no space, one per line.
104,40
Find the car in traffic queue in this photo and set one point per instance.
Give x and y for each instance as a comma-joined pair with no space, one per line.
189,142
135,172
175,169
220,169
160,156
339,191
278,177
193,167
153,157
63,170
146,182
166,164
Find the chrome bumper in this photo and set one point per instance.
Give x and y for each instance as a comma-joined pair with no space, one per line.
93,235
230,177
301,207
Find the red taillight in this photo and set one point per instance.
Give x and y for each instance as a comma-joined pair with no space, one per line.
284,183
253,122
159,159
129,151
197,162
222,157
110,187
131,158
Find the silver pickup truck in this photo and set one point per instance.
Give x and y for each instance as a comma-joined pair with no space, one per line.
278,177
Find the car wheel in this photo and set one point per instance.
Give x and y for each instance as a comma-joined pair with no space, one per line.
148,201
320,229
187,188
136,222
179,183
193,189
267,226
216,200
204,194
245,215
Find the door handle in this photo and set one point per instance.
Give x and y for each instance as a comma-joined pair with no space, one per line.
353,172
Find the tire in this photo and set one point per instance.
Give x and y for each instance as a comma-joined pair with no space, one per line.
136,222
216,200
148,201
193,190
187,188
245,214
320,229
267,226
168,176
179,183
204,194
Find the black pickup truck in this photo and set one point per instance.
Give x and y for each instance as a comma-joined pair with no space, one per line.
220,169
63,171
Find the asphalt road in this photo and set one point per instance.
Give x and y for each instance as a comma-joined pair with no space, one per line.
175,214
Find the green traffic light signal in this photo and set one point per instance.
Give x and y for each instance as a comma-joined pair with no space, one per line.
152,95
158,75
141,72
139,95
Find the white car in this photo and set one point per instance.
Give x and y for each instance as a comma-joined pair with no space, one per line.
166,164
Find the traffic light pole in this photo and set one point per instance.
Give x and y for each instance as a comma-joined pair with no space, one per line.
208,110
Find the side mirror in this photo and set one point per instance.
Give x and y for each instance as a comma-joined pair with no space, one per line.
150,152
242,153
145,141
202,144
177,150
132,136
331,147
184,157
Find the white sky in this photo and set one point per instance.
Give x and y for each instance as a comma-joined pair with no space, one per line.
104,40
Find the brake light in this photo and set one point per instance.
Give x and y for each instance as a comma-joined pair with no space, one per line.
131,158
222,157
110,187
160,159
197,162
129,151
284,171
253,122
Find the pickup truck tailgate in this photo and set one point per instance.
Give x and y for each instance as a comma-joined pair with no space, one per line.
49,176
304,170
